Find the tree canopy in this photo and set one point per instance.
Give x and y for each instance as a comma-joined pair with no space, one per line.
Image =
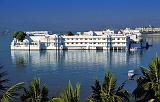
70,94
69,33
19,35
35,93
108,91
148,85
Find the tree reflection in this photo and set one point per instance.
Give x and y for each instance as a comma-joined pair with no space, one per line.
20,62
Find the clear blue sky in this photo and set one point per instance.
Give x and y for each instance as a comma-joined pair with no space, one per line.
79,14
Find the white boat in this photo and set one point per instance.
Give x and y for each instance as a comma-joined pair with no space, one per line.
131,73
133,49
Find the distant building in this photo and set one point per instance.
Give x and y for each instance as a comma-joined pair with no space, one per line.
106,40
149,29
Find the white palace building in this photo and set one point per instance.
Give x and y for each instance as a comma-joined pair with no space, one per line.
91,40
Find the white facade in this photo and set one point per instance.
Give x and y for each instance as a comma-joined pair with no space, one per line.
106,40
134,34
94,42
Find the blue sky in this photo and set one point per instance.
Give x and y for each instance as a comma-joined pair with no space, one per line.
78,14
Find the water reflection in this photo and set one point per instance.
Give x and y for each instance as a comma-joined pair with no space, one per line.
57,67
76,59
20,61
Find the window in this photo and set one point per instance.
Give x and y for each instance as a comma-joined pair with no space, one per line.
94,38
118,38
72,43
123,39
85,38
103,39
113,38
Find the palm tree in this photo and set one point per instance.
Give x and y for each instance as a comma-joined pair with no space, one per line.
11,92
3,80
35,93
108,92
96,92
56,100
148,85
8,93
70,94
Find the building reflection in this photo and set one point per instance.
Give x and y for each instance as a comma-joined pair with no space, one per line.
74,59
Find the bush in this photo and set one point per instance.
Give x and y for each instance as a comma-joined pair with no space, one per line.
69,33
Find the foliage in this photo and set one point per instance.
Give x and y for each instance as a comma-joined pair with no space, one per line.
70,94
15,34
108,92
56,100
148,85
19,35
69,33
89,99
35,93
11,92
7,94
3,80
96,92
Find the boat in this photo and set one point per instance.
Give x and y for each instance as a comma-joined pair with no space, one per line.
131,74
133,49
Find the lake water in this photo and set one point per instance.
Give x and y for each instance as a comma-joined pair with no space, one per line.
56,68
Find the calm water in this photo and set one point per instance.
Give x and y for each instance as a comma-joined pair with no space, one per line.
56,68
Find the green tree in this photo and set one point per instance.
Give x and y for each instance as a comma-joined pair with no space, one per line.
8,93
69,33
90,99
108,92
12,92
96,92
3,80
15,34
70,94
19,35
35,93
148,85
56,100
